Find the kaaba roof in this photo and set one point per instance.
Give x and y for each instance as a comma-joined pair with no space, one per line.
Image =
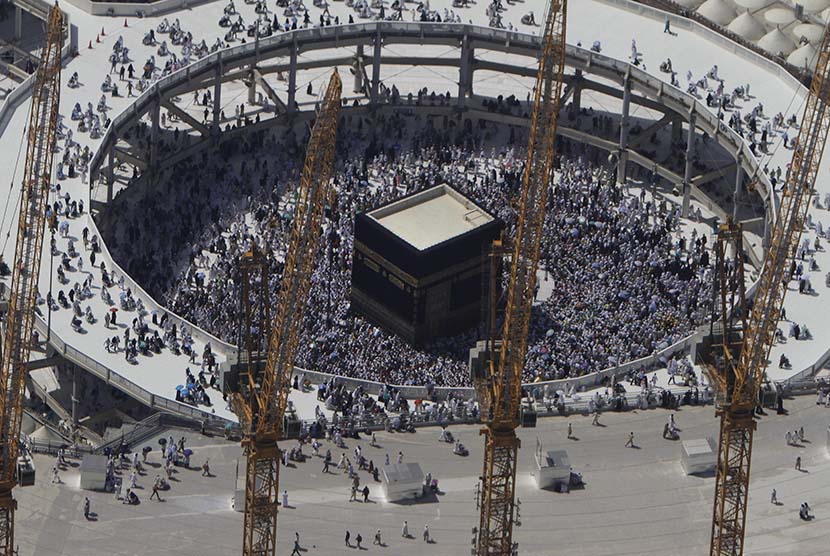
431,216
428,231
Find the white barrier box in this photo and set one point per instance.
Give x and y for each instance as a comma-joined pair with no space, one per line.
699,455
552,469
402,481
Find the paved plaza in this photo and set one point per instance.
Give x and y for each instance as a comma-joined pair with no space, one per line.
635,501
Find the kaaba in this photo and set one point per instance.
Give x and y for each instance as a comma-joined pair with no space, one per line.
420,263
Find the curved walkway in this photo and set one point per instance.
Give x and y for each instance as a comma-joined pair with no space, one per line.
588,19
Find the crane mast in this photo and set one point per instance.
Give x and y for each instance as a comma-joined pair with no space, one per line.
42,127
262,409
738,374
495,532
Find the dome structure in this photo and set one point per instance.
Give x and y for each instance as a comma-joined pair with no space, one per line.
747,27
814,6
810,31
689,4
779,16
717,11
804,57
776,42
754,4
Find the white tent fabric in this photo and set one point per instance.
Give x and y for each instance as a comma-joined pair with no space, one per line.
689,4
806,56
779,16
46,435
776,41
809,31
814,6
754,4
825,15
717,11
747,26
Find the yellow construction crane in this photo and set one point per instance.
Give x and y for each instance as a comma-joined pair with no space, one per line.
738,364
42,128
262,400
504,385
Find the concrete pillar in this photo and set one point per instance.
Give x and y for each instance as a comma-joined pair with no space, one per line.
676,130
217,100
736,196
358,70
292,79
252,89
577,96
75,398
624,125
155,131
18,23
767,216
375,97
465,72
111,169
687,175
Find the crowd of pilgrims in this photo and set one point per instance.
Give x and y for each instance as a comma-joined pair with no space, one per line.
625,281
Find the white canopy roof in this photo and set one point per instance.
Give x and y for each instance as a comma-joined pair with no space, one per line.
806,56
809,31
754,4
747,26
814,6
689,4
45,434
780,16
717,11
825,15
776,41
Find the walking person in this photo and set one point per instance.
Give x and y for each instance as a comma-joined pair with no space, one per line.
377,540
206,469
798,463
365,493
773,498
630,442
405,530
426,533
595,420
348,537
359,539
285,498
570,431
156,492
86,508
